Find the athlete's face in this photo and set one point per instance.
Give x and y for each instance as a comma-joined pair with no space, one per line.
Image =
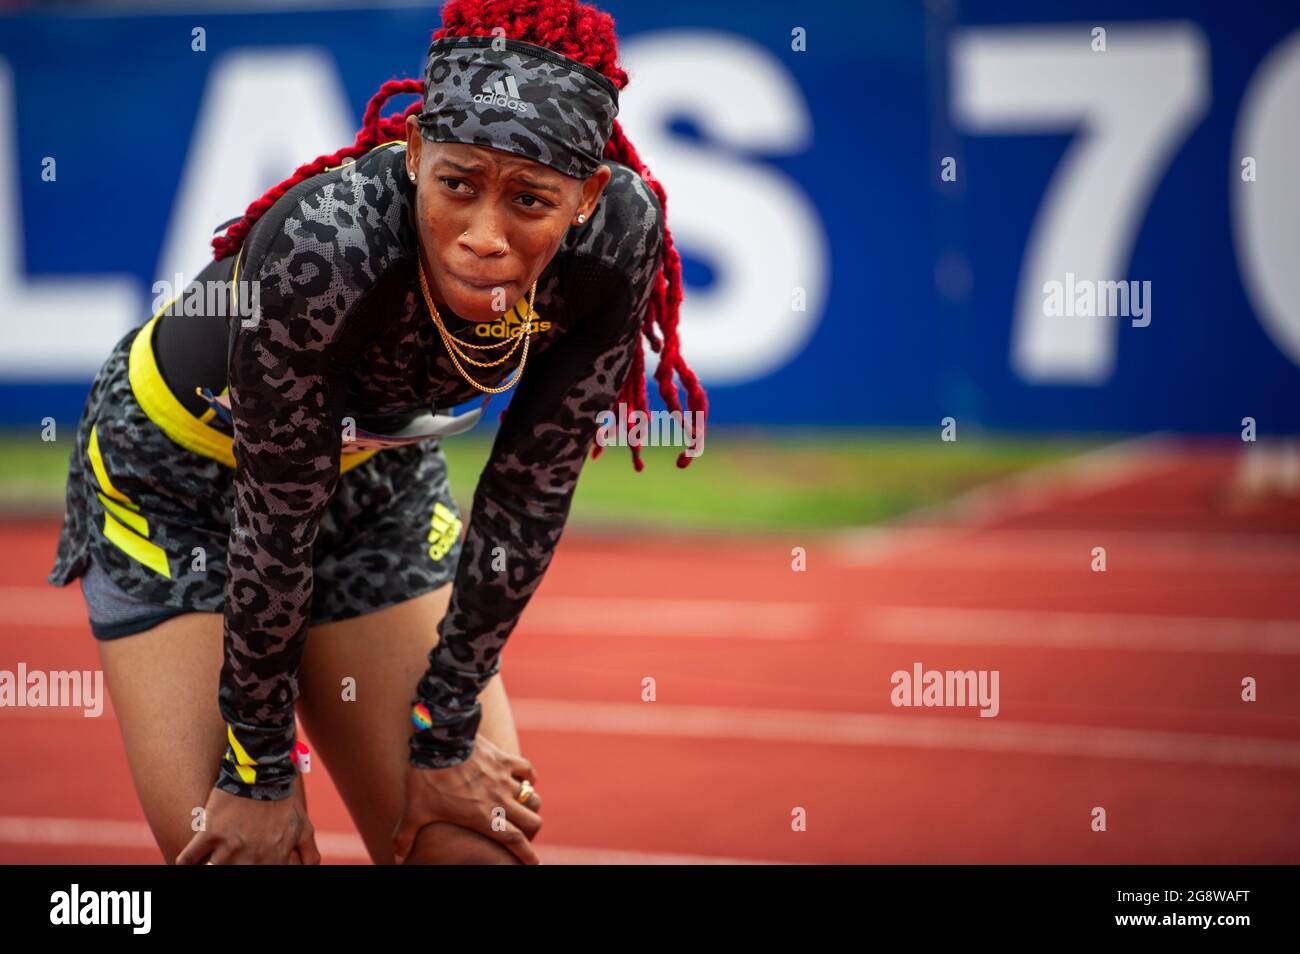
489,221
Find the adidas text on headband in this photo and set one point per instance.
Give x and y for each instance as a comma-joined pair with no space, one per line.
520,98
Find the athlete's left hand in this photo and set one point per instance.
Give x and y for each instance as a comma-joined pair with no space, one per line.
478,794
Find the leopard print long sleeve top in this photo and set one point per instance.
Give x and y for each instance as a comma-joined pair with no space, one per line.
344,332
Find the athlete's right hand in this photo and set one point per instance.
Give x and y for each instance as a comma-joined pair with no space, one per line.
478,794
245,831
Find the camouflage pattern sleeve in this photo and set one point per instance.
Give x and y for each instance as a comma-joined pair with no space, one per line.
287,389
523,496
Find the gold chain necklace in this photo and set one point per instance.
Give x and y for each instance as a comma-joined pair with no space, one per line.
524,334
424,287
452,341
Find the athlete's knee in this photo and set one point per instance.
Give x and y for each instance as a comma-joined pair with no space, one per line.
444,843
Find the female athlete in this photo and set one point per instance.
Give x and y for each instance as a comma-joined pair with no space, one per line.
258,507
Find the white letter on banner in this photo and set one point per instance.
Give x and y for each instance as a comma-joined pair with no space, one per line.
1129,110
1266,212
252,132
755,226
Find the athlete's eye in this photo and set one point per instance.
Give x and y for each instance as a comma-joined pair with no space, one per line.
537,204
451,184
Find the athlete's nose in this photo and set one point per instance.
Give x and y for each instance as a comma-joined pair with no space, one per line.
484,238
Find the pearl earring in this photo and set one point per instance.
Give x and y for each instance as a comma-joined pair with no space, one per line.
411,174
581,219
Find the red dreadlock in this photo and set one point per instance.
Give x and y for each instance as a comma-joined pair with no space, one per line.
586,35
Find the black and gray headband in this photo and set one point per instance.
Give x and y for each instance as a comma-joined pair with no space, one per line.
520,98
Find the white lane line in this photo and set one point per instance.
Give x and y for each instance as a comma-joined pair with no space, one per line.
17,830
903,730
981,549
900,729
608,617
600,616
1051,629
333,845
564,615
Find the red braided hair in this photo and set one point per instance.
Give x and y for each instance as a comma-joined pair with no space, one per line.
583,34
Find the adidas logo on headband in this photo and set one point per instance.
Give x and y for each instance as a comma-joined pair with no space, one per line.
502,94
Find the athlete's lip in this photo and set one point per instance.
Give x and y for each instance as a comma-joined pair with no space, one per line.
480,283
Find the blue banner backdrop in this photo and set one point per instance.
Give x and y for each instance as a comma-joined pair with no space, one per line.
873,200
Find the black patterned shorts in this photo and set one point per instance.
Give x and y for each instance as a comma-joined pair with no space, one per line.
150,497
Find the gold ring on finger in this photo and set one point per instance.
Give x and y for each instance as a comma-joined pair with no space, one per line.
525,792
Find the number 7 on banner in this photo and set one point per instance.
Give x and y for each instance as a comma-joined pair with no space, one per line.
1131,108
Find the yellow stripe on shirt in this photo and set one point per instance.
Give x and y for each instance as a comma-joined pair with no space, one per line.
136,547
244,763
101,475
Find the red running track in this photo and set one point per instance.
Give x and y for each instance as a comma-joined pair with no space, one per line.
1119,690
